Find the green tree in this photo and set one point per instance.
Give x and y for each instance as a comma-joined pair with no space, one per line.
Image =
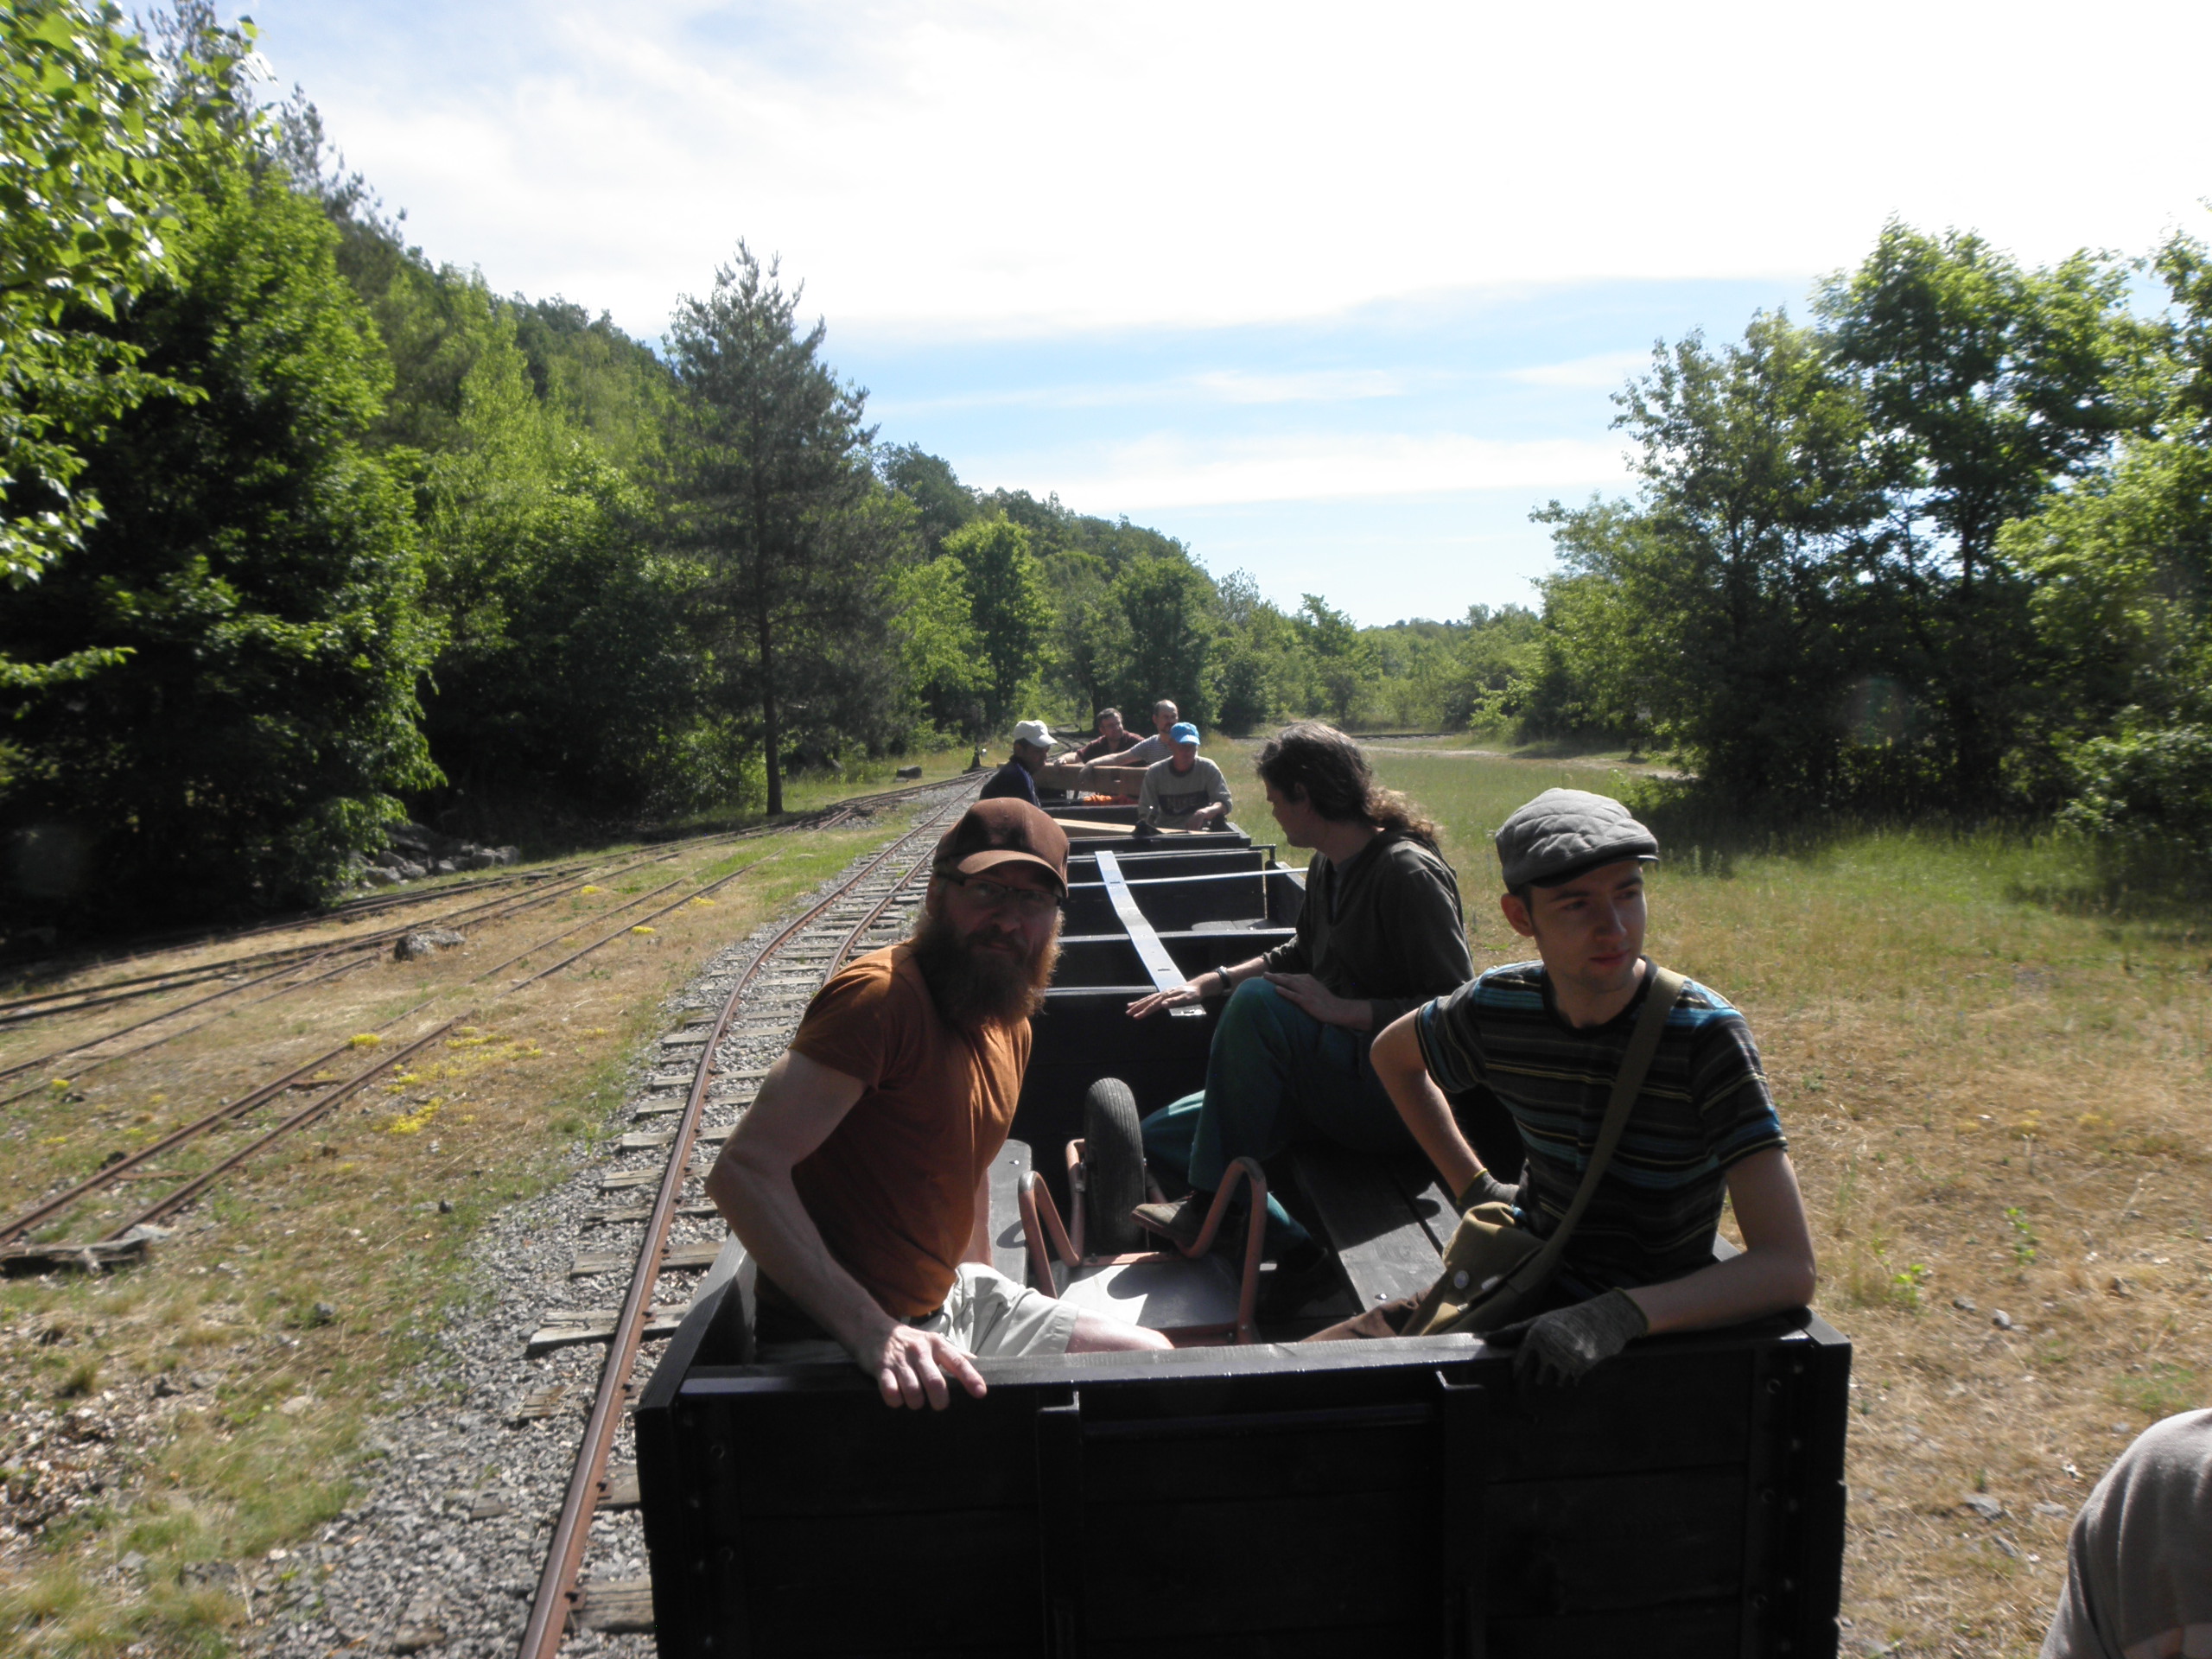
1262,673
1090,631
2123,601
571,677
1012,614
94,152
1344,662
1168,603
1989,386
942,502
1729,606
941,655
772,490
260,570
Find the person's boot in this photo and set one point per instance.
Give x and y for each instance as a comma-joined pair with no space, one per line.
1180,1220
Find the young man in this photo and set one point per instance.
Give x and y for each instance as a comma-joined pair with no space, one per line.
1017,779
859,1179
1186,791
1380,932
1109,742
1547,1037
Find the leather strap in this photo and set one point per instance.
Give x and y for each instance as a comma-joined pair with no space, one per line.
1664,987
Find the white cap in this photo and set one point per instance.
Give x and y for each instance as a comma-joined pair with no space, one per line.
1033,731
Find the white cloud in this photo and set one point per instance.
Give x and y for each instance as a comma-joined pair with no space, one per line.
1604,371
1164,473
981,167
1225,386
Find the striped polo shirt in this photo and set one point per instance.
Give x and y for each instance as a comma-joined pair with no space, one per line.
1704,1106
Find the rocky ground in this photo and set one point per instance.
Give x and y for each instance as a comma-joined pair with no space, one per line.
442,1549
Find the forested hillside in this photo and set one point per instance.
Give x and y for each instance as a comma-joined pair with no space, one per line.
304,534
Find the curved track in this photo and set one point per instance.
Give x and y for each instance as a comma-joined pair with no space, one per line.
870,907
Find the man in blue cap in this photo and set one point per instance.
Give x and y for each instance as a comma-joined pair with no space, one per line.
1186,791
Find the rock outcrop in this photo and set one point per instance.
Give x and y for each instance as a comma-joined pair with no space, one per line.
416,851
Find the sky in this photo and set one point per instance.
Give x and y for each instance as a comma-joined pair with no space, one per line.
1337,296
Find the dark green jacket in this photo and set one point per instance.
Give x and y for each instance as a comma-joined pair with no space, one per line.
1387,927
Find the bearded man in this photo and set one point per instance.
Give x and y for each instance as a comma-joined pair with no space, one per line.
859,1181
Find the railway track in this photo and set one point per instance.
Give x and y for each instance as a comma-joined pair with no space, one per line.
334,1092
286,965
502,1516
563,879
872,907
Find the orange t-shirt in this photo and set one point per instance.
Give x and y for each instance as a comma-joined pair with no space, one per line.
893,1189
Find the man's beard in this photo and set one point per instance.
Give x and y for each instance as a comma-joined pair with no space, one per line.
974,988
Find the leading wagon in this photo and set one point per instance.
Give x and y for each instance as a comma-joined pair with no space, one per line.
1247,1494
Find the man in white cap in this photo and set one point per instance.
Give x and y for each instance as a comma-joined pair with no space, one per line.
1017,779
1546,1037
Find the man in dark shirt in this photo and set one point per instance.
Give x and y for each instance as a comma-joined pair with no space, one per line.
1546,1037
1380,933
1112,739
1017,779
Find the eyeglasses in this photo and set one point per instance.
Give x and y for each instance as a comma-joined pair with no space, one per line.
997,895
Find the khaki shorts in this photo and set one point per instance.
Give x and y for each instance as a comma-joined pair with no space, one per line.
985,1313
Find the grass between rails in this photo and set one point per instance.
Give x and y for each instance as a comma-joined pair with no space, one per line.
1994,1097
166,1428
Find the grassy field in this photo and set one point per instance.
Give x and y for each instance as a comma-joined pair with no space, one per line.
160,1425
1993,1094
1995,1101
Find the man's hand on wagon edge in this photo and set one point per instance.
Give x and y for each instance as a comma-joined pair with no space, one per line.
911,1367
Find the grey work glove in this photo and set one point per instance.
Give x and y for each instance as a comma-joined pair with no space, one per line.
1486,1188
1559,1347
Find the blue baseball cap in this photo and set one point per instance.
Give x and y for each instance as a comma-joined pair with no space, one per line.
1182,731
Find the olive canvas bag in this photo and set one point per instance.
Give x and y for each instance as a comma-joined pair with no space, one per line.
1493,1268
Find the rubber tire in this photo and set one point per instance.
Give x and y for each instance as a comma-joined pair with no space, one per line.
1113,1158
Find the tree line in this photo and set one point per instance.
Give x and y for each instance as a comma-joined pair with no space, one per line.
301,532
1943,549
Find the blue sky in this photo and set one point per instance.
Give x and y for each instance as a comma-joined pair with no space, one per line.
1337,296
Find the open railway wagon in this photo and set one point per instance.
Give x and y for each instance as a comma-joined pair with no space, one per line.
1257,1498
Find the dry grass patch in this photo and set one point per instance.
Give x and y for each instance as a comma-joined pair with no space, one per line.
163,1428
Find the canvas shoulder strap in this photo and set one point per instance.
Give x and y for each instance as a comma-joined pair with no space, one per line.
1636,1065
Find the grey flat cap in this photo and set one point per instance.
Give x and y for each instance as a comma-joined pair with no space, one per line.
1564,831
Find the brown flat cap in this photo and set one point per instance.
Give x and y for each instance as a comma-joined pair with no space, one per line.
1564,832
1003,831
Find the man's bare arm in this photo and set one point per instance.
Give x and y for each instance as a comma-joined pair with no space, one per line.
1775,1271
1397,1058
800,1104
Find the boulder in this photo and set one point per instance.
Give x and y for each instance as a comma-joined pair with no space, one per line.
427,943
